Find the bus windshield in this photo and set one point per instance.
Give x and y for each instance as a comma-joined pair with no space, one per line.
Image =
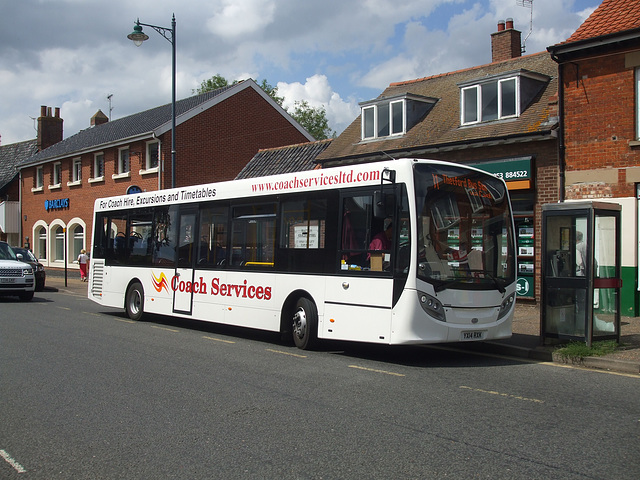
465,236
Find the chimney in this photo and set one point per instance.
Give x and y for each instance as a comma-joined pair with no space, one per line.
506,42
49,128
99,118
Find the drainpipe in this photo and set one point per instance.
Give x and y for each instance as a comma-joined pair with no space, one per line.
561,145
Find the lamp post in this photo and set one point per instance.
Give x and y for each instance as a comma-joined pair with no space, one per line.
138,36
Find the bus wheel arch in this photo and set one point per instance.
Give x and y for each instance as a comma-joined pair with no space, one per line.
300,320
134,300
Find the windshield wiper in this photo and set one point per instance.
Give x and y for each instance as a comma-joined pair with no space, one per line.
496,281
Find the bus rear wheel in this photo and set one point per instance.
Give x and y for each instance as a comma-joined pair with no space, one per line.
134,302
305,324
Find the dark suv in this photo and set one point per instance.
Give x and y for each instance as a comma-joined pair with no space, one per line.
25,255
16,277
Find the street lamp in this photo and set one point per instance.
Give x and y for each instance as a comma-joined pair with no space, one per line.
138,36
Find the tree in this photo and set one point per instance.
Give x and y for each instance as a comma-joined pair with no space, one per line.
213,83
313,119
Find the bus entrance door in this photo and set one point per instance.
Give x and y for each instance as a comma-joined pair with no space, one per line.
183,288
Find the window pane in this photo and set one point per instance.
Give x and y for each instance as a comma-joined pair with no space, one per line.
213,237
58,254
470,105
397,117
383,120
303,224
253,235
508,97
153,155
356,231
489,101
78,241
369,122
165,236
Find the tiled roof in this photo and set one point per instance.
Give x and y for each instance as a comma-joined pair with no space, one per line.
111,132
13,155
612,16
440,127
292,158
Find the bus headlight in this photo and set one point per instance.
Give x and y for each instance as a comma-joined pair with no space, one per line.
506,305
432,306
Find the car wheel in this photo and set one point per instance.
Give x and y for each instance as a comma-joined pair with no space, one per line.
26,296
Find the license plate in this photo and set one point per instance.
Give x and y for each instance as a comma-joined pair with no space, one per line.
7,280
476,335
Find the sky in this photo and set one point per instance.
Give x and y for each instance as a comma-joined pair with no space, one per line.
74,54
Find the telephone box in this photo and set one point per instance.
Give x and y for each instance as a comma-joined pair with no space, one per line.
581,271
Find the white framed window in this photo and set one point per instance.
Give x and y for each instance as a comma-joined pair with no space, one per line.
76,173
384,119
98,167
493,100
39,178
56,175
152,155
123,160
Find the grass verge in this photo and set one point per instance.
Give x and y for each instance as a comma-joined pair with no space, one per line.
578,350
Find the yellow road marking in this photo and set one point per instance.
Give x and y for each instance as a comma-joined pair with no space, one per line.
218,340
165,328
377,371
122,320
286,353
500,394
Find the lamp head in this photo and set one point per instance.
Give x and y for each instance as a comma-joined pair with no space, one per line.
138,36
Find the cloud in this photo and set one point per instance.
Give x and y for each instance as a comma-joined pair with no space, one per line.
318,93
241,18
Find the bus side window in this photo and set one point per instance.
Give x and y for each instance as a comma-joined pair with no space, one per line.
357,214
164,236
212,244
253,235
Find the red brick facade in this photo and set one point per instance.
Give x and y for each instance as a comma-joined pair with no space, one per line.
602,153
213,145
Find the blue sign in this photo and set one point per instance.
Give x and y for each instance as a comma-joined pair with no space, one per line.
56,204
133,189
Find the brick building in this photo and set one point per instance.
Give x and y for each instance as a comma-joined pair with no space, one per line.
501,117
217,134
599,87
49,128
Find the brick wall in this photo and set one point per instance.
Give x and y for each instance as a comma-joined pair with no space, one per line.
220,141
600,127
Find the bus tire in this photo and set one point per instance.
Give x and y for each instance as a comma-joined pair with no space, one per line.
305,324
134,301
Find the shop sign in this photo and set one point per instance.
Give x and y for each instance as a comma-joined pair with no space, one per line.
508,170
524,286
56,204
133,189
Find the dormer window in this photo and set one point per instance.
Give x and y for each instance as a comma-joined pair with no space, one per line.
499,97
391,117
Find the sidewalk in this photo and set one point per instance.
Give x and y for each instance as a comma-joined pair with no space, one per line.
525,342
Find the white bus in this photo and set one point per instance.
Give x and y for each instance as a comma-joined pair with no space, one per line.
295,254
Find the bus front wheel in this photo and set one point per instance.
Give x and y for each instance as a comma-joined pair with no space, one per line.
305,323
134,303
